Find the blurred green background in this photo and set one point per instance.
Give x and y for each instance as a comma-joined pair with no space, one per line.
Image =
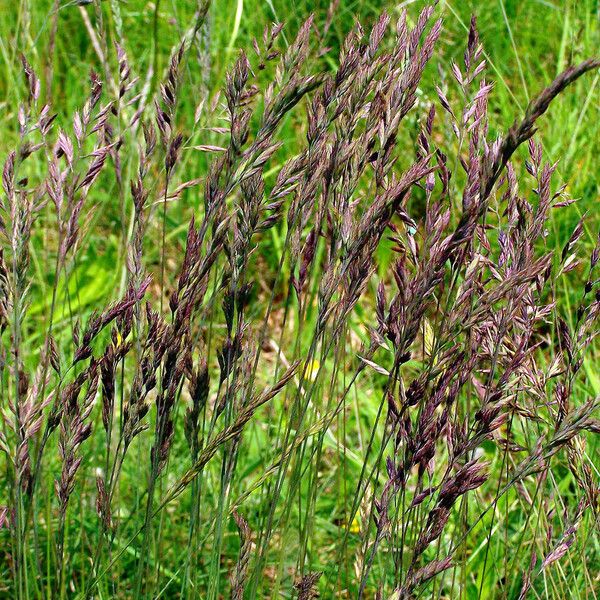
526,42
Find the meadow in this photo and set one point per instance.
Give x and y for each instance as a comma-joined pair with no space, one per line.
299,298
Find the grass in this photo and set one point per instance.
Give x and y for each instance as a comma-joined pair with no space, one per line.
521,61
306,472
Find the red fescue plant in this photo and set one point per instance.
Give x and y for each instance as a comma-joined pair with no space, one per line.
474,356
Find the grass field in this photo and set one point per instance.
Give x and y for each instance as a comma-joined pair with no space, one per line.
267,449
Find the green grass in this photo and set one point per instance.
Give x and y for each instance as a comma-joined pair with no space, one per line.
527,42
521,61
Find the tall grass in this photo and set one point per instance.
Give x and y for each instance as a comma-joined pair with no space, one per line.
267,411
